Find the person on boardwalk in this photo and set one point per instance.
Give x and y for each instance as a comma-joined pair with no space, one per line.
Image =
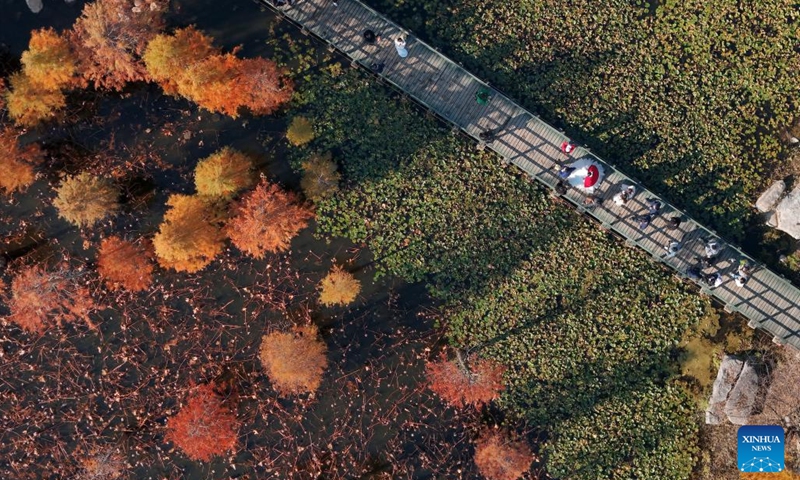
644,220
371,38
400,46
561,188
714,280
742,275
654,206
565,172
672,249
694,272
673,223
592,201
626,193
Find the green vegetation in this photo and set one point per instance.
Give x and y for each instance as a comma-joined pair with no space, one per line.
688,96
586,325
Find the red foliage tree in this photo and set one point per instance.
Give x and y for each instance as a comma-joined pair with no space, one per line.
204,427
124,264
17,163
111,35
499,458
262,85
461,385
266,220
40,297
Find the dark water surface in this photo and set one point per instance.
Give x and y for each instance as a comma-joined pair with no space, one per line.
75,390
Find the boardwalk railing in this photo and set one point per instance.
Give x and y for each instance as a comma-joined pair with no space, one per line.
520,137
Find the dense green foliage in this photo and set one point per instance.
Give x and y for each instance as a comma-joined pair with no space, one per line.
689,96
642,434
350,119
586,325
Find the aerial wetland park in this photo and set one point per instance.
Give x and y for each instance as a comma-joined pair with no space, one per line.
399,239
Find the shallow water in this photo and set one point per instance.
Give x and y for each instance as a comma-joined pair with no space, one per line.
116,387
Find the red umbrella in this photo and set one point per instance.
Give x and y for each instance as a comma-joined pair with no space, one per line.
592,175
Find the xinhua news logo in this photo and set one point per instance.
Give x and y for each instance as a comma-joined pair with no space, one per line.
760,449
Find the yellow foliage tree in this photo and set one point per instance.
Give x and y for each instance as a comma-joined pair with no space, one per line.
224,173
338,287
294,361
85,199
300,132
167,57
29,104
190,236
48,62
17,163
320,177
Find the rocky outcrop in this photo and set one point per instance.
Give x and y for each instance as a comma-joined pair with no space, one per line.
767,201
782,210
734,392
788,213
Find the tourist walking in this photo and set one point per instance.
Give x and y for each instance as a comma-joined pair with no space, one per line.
400,46
653,206
672,249
673,223
625,194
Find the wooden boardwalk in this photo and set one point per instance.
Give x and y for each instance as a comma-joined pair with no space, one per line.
769,301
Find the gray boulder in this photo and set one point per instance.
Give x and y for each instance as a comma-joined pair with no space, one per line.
734,393
743,396
767,201
728,372
788,213
35,5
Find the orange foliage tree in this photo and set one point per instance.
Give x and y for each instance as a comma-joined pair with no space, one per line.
2,94
204,427
124,264
17,163
223,173
266,220
461,385
186,64
294,361
499,458
41,296
111,35
49,62
29,104
338,287
190,236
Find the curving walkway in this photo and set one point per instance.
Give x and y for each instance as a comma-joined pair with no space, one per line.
769,301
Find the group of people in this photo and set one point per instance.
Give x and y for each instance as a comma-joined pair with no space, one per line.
711,253
372,38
